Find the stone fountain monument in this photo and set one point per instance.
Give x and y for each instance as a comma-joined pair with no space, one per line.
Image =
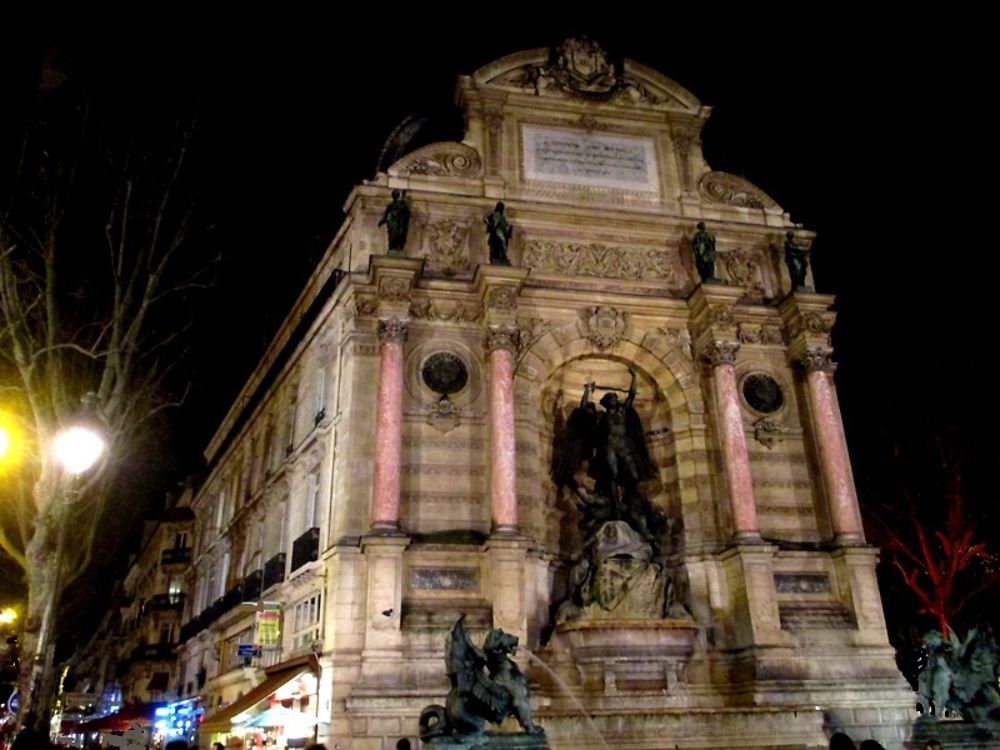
683,560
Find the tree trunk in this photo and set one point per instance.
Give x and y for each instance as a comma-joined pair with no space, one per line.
44,556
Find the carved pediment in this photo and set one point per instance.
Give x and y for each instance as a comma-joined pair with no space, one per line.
581,68
731,190
446,159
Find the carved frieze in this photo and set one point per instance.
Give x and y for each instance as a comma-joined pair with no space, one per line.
747,333
816,322
720,315
448,311
743,267
365,307
722,187
394,289
595,259
441,160
604,326
446,246
502,298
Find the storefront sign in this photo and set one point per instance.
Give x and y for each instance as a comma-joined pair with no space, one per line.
269,625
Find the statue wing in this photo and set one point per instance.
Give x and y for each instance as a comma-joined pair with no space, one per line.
577,444
637,438
465,662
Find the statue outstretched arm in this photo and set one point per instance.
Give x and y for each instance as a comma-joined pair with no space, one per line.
631,389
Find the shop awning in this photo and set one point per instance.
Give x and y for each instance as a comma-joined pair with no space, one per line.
222,720
132,713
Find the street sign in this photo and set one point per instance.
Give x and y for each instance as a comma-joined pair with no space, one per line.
247,649
14,702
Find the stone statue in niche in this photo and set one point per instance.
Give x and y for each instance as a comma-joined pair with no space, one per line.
486,685
396,219
619,575
498,234
797,260
703,246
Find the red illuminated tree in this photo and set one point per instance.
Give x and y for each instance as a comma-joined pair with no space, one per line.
932,544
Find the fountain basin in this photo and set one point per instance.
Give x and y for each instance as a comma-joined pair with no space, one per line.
615,656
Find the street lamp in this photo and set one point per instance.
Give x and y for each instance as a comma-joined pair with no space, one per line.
77,447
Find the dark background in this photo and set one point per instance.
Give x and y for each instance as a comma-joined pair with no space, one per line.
872,132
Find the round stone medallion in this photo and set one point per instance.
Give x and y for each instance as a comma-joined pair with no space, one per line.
444,373
763,393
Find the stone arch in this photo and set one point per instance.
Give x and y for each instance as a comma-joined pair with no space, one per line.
675,378
561,345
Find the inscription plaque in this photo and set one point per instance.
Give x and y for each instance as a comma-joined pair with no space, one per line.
598,159
445,579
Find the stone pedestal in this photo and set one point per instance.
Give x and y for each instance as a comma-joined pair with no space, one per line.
383,640
490,741
614,657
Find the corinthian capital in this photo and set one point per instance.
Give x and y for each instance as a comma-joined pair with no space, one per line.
392,330
817,359
720,353
502,337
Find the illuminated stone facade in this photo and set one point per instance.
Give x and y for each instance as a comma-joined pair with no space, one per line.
424,507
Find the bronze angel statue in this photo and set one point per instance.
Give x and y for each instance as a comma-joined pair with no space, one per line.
613,445
486,685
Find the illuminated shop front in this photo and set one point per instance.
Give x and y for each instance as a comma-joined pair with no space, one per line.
279,712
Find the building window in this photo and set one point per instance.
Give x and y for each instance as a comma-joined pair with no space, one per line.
320,393
290,418
220,501
305,621
231,648
312,500
166,633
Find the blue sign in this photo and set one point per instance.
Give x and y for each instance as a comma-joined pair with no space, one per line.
247,649
14,702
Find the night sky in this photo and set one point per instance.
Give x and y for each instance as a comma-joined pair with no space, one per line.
871,133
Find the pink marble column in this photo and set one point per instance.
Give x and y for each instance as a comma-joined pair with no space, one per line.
845,515
721,355
501,343
388,427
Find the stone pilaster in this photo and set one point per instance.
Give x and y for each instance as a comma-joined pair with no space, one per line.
855,568
499,287
753,601
383,607
501,343
388,426
394,279
808,323
511,589
845,515
721,357
714,331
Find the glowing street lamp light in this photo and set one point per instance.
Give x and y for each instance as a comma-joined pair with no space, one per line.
78,448
8,616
